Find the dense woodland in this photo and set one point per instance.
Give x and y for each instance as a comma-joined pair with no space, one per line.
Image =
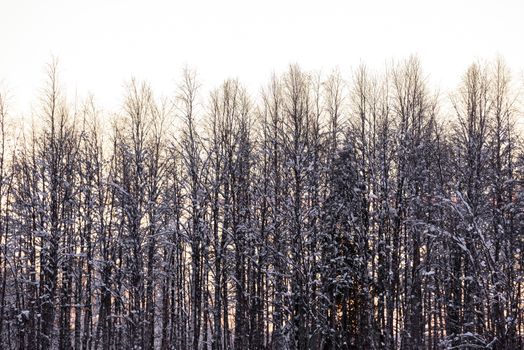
325,212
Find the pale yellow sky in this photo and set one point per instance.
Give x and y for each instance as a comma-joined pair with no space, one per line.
101,43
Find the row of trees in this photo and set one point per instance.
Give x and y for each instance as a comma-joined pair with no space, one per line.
323,215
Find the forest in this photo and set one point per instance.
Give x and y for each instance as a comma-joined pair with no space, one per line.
324,212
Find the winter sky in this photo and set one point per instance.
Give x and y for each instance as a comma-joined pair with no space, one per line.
101,43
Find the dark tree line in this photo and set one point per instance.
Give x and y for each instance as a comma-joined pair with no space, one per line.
322,214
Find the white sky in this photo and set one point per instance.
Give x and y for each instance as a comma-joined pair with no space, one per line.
101,43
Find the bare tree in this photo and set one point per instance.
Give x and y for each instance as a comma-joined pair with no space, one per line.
319,214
